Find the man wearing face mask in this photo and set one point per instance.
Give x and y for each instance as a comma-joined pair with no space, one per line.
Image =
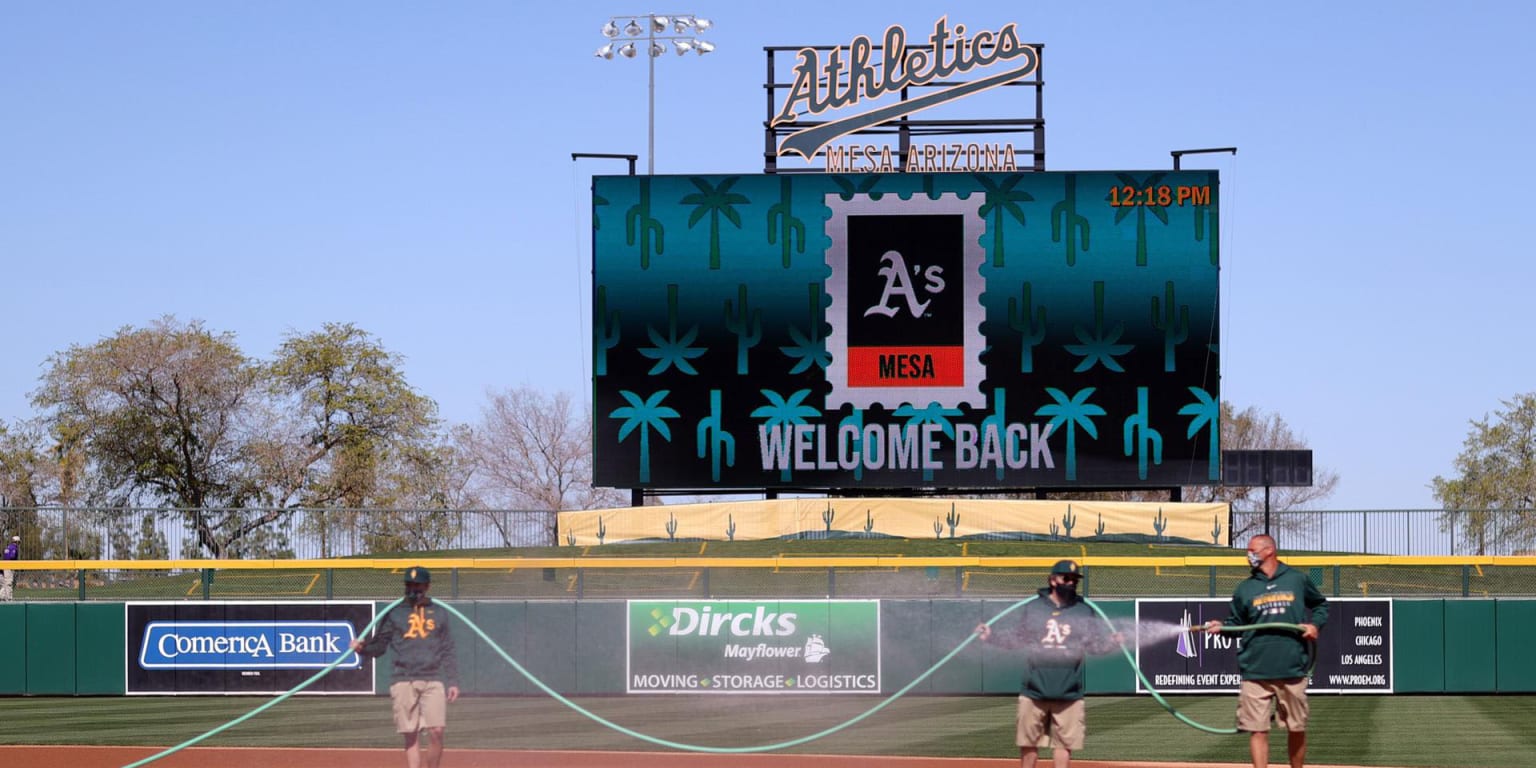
426,669
1057,632
1274,662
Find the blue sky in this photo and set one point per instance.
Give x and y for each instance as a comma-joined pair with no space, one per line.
269,167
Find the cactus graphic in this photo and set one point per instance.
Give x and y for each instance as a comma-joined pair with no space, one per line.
809,347
1055,531
730,527
1202,213
827,516
602,531
997,421
714,441
1141,211
1141,438
938,529
1068,521
641,228
1031,329
1160,524
1099,531
953,519
1215,530
1100,345
869,521
714,202
671,527
1066,221
789,227
1174,323
570,538
746,324
607,328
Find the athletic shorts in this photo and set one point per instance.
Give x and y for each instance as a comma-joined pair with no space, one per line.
419,704
1062,720
1288,696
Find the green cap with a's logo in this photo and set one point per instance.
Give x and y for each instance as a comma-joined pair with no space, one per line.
418,575
1066,568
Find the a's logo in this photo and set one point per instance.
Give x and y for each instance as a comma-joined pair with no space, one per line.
820,86
1056,634
897,283
815,649
420,626
905,311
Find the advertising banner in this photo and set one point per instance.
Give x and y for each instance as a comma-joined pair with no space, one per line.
1354,649
906,330
245,648
753,646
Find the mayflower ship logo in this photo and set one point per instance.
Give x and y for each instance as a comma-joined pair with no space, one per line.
906,311
820,86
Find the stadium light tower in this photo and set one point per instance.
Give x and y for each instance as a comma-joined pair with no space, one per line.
685,29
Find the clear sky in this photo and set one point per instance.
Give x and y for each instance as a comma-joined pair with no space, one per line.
267,167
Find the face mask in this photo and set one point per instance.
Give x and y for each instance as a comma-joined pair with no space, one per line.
416,596
1254,561
1066,590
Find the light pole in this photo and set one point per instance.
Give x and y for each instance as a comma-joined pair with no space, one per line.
686,27
1178,154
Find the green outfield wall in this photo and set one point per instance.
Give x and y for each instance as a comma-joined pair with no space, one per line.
579,647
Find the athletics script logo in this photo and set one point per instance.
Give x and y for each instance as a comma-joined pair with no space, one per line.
834,84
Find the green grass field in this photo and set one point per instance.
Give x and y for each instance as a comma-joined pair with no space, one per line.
1442,731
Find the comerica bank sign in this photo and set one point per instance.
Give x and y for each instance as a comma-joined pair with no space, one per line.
246,644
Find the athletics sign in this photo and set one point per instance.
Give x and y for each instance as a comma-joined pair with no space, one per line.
1354,650
752,646
245,648
1040,330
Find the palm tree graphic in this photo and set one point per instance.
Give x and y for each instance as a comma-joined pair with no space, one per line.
1000,199
1123,211
782,413
1072,412
933,413
714,201
1206,414
645,414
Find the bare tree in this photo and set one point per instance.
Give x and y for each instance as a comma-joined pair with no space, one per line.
533,451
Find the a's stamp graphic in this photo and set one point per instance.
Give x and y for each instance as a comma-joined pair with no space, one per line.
905,311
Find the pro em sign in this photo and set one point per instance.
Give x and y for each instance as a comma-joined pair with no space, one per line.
753,646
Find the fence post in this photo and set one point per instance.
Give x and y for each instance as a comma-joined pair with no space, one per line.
207,582
453,576
959,581
80,578
330,583
1336,572
1466,581
831,582
705,581
1213,580
581,583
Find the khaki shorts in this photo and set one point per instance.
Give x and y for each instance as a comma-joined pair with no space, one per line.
419,704
1062,720
1290,702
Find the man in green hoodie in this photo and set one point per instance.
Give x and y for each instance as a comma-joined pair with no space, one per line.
1274,662
1057,631
426,671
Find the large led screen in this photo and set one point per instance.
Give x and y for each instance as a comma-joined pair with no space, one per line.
1030,330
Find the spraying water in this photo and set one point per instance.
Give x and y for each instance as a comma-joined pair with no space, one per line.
1154,632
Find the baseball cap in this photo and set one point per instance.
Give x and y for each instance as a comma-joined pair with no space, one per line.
1066,568
15,538
418,575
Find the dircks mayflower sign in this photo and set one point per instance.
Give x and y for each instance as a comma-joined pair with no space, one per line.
836,83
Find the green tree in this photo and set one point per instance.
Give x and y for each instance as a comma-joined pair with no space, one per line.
1491,495
157,414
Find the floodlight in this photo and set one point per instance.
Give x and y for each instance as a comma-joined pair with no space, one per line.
703,25
632,28
683,46
605,52
627,50
657,49
681,24
659,23
610,29
703,46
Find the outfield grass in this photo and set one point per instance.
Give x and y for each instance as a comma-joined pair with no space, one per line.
1442,731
